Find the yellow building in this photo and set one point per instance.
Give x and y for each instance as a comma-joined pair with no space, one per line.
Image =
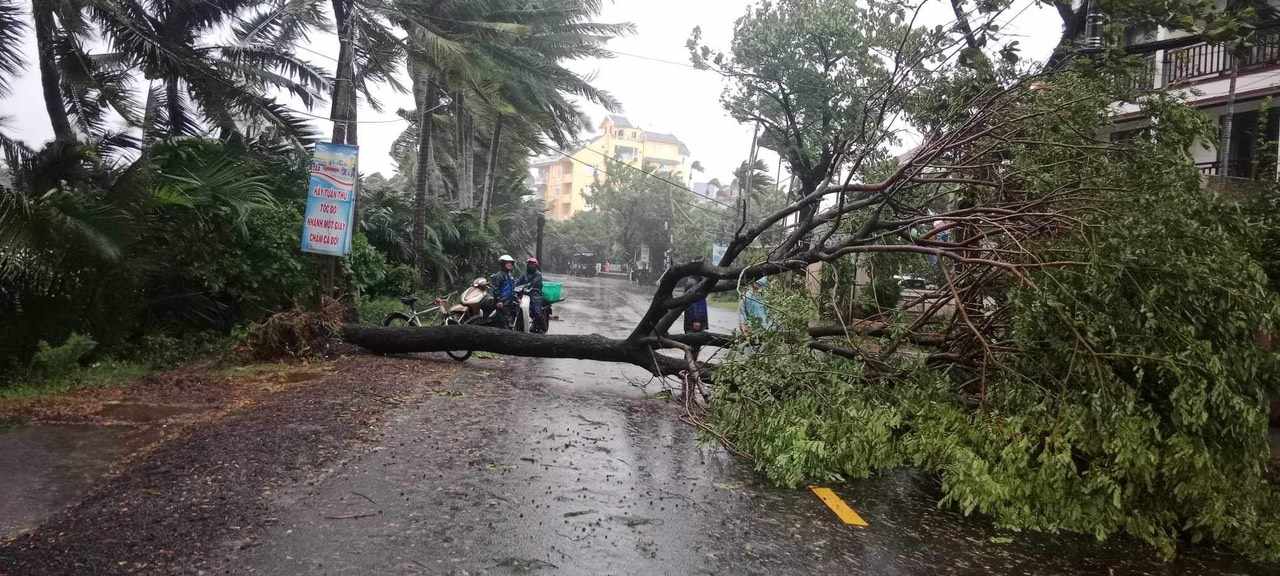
565,182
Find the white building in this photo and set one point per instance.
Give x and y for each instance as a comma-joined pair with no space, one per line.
1200,72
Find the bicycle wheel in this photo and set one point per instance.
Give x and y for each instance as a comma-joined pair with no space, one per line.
397,320
459,355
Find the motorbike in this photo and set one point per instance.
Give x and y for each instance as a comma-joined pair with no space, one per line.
523,319
477,308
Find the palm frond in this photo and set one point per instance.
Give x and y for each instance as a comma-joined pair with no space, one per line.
282,23
12,27
15,151
91,88
223,185
55,209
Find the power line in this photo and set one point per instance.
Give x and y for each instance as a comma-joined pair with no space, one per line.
660,60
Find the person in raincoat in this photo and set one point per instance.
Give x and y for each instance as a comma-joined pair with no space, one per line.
533,278
503,286
752,311
696,318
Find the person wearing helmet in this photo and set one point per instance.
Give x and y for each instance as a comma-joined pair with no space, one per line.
533,278
503,286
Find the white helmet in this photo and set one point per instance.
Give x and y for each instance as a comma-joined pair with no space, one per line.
506,258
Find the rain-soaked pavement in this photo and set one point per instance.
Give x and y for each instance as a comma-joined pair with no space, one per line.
47,466
534,466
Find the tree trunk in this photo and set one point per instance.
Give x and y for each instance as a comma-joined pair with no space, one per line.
459,170
173,99
542,225
463,161
424,86
342,112
471,161
50,78
491,168
509,342
148,124
341,108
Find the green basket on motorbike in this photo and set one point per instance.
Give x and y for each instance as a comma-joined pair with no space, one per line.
551,292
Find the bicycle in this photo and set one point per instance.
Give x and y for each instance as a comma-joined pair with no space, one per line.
414,318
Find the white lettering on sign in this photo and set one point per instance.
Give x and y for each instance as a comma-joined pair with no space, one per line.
326,227
330,193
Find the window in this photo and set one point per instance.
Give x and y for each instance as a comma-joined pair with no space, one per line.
625,153
1139,34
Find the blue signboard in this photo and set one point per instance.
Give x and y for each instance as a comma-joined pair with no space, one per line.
331,199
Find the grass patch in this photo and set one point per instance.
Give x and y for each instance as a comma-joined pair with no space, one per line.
373,310
71,365
726,301
104,374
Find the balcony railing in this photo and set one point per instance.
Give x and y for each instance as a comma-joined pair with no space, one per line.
1202,60
1143,80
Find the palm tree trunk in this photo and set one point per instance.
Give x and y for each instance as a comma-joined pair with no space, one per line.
173,99
462,130
490,168
148,121
424,89
471,161
343,114
50,78
341,109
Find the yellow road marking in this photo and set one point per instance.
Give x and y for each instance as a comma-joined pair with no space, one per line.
842,510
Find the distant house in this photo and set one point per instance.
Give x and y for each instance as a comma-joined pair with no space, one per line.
708,190
1200,72
563,182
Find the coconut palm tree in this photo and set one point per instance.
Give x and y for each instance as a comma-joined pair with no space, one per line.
78,87
12,27
197,80
502,60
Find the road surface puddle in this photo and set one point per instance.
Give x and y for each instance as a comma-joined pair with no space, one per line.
46,467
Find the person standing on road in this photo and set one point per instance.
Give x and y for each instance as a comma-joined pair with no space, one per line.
696,318
695,314
533,278
503,286
752,311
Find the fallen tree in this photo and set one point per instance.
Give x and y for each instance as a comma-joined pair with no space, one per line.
1085,363
579,346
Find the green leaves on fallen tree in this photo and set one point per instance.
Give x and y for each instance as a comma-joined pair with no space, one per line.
1129,395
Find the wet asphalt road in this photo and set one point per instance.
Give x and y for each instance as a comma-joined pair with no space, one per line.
534,466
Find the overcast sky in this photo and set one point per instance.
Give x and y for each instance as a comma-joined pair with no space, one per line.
650,76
